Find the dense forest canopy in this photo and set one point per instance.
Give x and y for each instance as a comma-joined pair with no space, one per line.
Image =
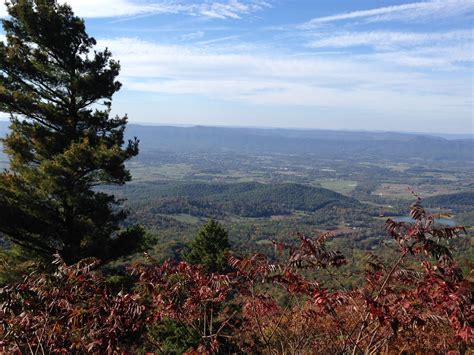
243,199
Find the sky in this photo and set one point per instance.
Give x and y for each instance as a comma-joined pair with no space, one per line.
328,64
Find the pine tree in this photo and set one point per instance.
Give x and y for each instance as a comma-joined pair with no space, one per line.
209,247
63,142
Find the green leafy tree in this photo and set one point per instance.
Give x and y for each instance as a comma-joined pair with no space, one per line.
209,247
173,337
63,142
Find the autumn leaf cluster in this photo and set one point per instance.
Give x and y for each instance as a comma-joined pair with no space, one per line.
418,303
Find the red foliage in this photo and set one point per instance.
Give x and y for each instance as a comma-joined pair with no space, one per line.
398,309
70,310
186,294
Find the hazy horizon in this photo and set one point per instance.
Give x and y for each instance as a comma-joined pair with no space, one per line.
190,125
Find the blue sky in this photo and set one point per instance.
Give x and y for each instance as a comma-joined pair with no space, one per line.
333,64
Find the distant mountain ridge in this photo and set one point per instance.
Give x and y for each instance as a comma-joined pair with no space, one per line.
325,143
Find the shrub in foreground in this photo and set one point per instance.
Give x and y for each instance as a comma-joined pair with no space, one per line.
418,303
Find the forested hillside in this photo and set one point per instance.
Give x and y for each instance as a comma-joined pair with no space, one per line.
243,199
457,201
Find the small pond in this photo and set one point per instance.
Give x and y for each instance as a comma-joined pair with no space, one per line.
445,221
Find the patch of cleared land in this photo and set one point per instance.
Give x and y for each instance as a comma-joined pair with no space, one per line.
145,172
403,191
341,186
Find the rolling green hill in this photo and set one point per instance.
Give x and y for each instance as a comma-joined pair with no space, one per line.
455,201
241,199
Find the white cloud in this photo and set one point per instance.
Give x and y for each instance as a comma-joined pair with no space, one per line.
261,92
111,8
412,11
388,39
234,9
192,36
116,8
432,57
231,9
261,78
432,50
220,39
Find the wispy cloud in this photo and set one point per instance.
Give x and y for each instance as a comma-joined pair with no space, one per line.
217,40
114,8
192,36
219,9
276,79
441,51
231,9
389,39
412,11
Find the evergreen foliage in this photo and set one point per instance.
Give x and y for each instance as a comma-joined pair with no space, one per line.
174,337
209,248
62,143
